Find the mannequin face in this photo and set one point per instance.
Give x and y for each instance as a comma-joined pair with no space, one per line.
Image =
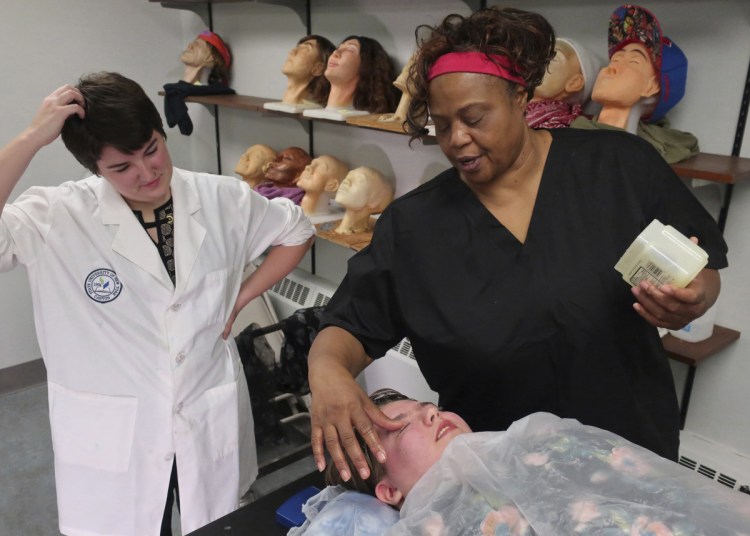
629,77
344,63
316,175
252,161
287,166
354,191
197,54
562,69
303,61
420,442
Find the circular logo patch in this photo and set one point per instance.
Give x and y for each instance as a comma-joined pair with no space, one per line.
103,285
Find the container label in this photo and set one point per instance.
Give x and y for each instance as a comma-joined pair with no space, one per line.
651,273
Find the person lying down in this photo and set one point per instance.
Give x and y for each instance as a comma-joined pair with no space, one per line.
543,476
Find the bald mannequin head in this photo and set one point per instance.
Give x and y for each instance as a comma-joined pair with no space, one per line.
320,180
251,163
363,192
285,169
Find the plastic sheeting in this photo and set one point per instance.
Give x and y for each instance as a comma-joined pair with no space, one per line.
552,476
335,512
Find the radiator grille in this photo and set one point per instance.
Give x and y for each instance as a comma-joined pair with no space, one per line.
292,290
711,473
321,299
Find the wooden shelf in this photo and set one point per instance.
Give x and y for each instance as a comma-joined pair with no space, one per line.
706,166
714,167
255,104
693,353
238,102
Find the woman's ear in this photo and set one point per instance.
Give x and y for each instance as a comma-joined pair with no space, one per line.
520,97
388,493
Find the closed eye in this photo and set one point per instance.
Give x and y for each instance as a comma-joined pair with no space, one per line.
404,427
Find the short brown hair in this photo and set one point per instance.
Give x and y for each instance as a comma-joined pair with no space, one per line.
119,114
380,398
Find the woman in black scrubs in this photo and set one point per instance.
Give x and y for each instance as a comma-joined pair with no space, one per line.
500,270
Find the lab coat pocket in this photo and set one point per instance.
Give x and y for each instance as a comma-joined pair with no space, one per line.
223,419
90,429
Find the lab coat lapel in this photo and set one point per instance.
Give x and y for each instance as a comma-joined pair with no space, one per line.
131,240
188,231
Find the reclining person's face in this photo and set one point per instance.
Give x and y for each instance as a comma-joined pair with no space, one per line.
415,447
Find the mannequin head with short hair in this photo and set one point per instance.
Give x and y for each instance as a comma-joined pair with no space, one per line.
207,60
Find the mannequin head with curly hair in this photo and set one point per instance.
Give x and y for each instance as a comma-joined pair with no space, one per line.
361,75
523,42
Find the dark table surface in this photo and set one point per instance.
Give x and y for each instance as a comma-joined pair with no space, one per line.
259,517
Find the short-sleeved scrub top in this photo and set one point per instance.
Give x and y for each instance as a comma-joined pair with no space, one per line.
502,329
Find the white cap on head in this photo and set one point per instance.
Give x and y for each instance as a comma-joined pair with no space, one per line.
590,64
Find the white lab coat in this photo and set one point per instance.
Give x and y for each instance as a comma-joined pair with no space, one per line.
138,372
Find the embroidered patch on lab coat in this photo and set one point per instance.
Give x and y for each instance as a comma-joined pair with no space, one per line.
103,285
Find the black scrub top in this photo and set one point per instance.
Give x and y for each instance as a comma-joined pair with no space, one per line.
502,329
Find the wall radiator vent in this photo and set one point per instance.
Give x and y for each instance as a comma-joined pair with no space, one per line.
299,290
717,462
292,290
321,300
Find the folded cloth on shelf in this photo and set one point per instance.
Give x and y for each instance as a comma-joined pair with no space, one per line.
175,109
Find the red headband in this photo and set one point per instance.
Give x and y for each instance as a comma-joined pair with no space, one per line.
474,62
218,44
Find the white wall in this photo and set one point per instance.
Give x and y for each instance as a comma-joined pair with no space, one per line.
57,41
47,44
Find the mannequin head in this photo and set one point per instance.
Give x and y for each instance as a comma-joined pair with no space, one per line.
363,192
250,165
207,60
361,75
570,75
286,167
320,180
304,68
629,77
644,62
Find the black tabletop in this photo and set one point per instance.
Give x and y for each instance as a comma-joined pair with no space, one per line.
259,517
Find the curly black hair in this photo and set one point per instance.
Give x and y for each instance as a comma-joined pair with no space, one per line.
525,38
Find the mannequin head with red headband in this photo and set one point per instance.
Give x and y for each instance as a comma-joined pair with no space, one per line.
207,59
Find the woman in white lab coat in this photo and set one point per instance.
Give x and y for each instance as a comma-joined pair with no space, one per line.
135,273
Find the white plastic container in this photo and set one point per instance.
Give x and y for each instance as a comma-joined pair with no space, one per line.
661,255
699,329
